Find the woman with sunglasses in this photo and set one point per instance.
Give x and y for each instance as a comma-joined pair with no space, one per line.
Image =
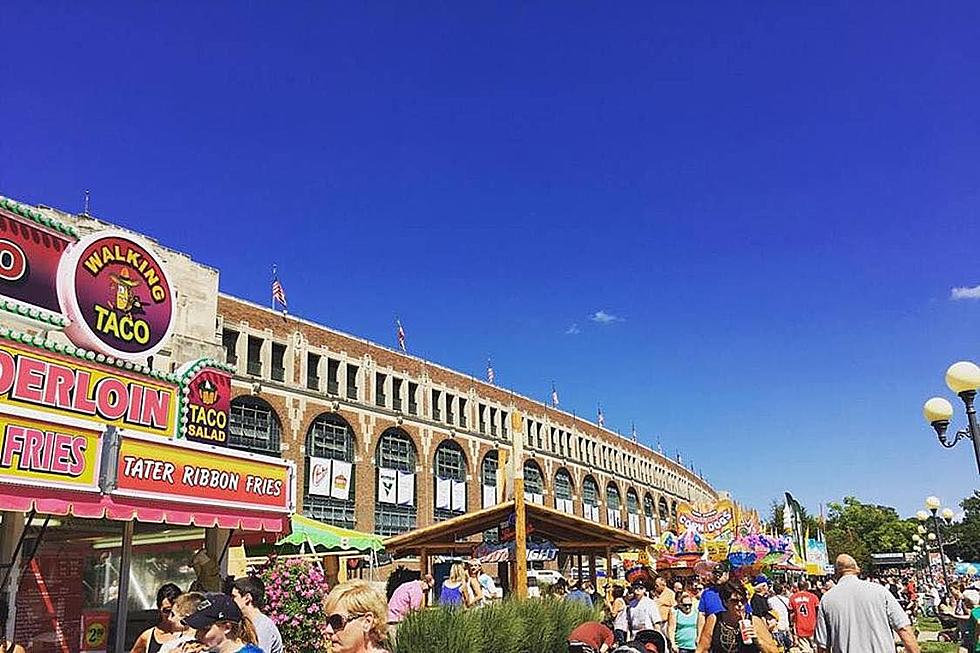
166,629
684,630
726,633
356,618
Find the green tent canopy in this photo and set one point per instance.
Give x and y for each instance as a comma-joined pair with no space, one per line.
332,538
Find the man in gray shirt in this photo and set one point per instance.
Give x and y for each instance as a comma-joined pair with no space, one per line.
249,595
857,616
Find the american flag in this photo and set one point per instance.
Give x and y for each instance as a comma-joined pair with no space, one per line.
602,418
278,294
554,396
401,335
490,375
634,431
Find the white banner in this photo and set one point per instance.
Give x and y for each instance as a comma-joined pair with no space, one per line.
634,523
387,485
564,505
591,512
444,487
406,489
318,474
650,531
489,496
613,517
341,480
459,496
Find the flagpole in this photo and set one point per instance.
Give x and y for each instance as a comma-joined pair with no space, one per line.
273,287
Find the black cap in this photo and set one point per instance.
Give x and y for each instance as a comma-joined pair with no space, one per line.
215,607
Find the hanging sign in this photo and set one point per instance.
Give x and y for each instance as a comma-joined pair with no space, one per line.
33,452
173,471
29,256
49,383
713,521
117,295
206,404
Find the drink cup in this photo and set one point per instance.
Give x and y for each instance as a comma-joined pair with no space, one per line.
745,627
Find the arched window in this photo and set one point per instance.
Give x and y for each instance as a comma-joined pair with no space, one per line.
590,498
396,508
563,491
330,471
632,510
673,509
254,426
664,512
488,475
613,504
648,515
533,482
450,481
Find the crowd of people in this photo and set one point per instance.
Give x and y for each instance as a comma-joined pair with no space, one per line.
720,614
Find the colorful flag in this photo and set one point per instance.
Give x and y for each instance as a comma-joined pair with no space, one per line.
278,294
633,430
490,375
601,419
554,396
401,335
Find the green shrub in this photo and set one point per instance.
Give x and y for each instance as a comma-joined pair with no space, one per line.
512,626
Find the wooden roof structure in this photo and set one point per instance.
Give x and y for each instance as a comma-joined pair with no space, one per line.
569,533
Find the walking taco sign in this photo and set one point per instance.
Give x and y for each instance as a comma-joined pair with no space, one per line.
109,290
116,294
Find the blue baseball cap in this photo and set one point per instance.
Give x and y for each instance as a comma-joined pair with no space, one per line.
760,580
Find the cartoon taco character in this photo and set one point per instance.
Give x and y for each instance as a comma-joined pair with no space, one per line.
126,300
208,392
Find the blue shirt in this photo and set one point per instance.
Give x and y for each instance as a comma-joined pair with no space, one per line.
579,597
710,603
250,648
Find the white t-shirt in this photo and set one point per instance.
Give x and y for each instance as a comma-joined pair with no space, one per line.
780,605
643,614
270,640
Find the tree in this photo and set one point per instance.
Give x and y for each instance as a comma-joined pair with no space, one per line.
965,535
861,529
775,522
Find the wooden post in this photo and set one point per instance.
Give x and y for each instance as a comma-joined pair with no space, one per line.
520,512
592,574
609,566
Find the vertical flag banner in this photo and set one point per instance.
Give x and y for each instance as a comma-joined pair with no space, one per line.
387,485
554,396
601,420
633,429
318,474
406,489
459,496
490,374
340,480
443,491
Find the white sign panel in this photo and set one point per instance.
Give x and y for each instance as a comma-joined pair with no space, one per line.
387,485
318,474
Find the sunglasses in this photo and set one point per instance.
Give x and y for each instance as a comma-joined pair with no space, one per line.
338,622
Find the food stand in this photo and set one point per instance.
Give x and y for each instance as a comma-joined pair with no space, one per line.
101,456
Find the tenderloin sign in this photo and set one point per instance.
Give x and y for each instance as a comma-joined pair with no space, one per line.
116,294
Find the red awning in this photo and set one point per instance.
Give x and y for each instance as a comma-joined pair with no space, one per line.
92,505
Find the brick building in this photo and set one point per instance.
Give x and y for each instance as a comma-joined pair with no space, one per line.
304,390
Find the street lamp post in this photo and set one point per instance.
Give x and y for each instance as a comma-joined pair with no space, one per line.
933,504
963,378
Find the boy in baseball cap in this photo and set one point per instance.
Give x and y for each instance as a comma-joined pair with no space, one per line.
219,624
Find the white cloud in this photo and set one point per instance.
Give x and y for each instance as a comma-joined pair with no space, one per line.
602,317
573,330
965,293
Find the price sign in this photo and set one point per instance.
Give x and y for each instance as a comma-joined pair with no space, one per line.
95,631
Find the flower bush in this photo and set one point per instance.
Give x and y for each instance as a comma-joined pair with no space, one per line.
511,626
294,591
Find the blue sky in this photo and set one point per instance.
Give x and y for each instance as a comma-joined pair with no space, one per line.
773,201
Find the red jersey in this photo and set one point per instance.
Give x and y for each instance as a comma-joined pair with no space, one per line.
803,605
